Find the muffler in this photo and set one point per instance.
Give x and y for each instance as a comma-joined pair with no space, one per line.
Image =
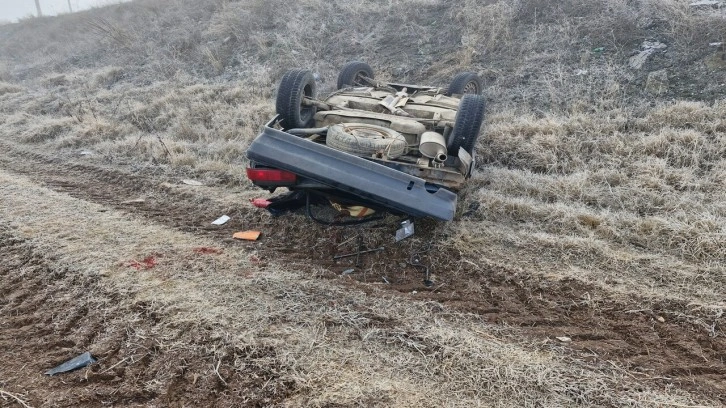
433,145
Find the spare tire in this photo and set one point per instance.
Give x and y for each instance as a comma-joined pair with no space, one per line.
469,118
364,140
354,74
465,83
295,85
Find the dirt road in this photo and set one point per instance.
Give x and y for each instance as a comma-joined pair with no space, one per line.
127,266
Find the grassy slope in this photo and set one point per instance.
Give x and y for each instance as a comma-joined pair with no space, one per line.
582,172
577,157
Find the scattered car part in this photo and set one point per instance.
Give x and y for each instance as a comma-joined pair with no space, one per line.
73,364
355,73
364,140
352,210
336,257
416,261
406,230
247,235
260,202
221,220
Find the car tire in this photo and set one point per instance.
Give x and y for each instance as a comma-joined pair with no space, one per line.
467,124
295,85
353,73
364,140
465,83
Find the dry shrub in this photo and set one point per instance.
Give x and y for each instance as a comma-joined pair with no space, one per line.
6,88
106,77
92,132
47,130
686,114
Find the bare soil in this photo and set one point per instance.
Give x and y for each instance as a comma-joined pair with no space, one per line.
662,342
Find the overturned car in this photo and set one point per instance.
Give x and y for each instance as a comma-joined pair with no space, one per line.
403,149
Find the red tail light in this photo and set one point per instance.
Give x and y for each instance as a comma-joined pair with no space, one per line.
271,176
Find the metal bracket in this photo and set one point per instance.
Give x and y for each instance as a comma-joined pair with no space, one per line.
406,230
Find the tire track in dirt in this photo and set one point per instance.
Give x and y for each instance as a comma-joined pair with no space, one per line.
337,346
659,340
48,315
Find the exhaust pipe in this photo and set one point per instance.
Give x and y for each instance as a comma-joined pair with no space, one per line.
433,145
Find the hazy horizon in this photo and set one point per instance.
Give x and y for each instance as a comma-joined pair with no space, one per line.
12,10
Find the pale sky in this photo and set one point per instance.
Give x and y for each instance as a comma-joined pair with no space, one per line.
11,10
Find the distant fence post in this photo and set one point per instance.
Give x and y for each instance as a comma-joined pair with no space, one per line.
70,9
37,5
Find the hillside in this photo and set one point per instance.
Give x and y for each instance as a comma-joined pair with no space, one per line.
597,211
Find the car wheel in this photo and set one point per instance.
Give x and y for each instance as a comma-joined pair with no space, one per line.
465,83
354,74
295,85
467,124
366,140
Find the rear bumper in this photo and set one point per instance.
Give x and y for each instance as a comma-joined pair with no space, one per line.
353,175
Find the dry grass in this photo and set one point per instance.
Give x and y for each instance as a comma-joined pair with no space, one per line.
337,345
581,173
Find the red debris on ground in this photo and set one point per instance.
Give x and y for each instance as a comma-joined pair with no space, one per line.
146,263
260,202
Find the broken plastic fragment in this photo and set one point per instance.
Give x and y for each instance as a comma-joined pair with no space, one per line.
260,202
357,211
73,364
247,235
221,220
564,339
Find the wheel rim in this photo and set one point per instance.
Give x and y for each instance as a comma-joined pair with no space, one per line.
471,88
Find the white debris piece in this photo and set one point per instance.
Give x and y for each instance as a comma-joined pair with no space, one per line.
715,44
564,339
649,47
221,220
